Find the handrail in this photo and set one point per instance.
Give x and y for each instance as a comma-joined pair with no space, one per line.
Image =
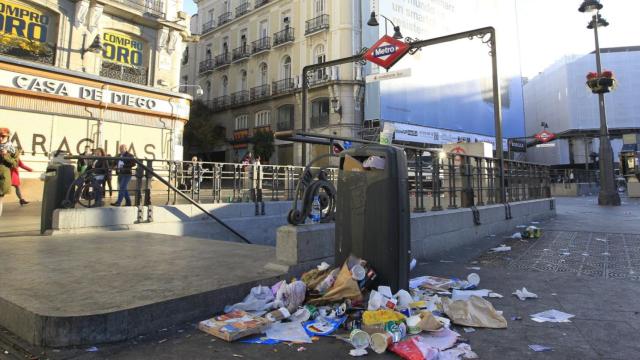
167,184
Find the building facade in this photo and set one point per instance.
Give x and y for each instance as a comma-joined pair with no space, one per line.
95,73
249,62
560,98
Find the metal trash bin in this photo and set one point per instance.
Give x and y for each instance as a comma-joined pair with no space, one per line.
58,178
372,212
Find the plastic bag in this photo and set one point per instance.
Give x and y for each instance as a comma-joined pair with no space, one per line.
475,312
291,296
293,332
414,349
381,317
260,298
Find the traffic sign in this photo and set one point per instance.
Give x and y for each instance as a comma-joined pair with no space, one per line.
545,136
386,52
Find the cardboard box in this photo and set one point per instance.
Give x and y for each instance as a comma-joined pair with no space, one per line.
352,164
234,325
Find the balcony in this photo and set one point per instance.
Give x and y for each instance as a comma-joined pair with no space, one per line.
240,53
208,26
260,3
260,92
284,125
242,9
151,7
261,45
240,98
318,77
283,37
283,86
132,74
206,66
222,60
221,103
224,18
316,24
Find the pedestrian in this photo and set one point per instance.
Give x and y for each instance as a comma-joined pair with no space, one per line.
83,164
15,177
100,169
195,171
124,171
108,176
571,177
8,161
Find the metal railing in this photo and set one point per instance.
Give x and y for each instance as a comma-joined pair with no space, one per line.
153,7
208,26
261,45
221,103
240,98
133,74
242,9
316,24
205,66
241,52
260,92
283,86
319,77
564,176
260,3
224,18
283,36
222,60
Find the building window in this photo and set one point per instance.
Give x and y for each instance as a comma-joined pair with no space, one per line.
263,30
320,57
318,7
320,113
208,90
242,122
243,80
225,86
264,74
285,118
262,118
185,56
286,67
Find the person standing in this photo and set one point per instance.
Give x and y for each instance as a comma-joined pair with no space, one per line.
8,161
83,164
100,168
195,170
124,168
15,178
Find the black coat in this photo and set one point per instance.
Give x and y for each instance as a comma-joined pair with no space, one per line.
128,163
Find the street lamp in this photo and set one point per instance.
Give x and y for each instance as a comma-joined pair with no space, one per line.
373,21
95,47
608,193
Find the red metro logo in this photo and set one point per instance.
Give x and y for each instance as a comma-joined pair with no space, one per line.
386,52
545,136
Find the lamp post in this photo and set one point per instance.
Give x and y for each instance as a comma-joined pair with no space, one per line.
608,193
373,21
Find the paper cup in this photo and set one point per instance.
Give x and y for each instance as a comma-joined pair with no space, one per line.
359,339
358,273
380,342
473,279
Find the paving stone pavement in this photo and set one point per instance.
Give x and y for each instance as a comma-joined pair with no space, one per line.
599,289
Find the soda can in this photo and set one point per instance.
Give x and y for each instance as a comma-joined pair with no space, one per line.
340,310
313,311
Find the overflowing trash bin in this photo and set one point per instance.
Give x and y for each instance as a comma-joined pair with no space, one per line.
372,211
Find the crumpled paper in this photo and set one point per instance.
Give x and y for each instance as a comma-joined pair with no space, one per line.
525,294
343,288
475,312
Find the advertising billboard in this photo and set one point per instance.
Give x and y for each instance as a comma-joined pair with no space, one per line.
27,31
123,48
450,86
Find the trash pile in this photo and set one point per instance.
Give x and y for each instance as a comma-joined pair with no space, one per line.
348,303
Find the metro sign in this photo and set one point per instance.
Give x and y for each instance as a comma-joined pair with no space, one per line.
386,52
545,136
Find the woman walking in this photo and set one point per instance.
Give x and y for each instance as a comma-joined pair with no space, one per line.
15,178
8,160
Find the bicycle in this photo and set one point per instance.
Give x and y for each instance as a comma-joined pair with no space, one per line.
86,191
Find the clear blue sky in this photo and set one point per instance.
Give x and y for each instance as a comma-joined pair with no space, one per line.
552,29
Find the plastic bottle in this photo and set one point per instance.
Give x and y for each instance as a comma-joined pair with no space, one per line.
328,282
316,211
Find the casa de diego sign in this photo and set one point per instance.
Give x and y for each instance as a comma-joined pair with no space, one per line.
386,52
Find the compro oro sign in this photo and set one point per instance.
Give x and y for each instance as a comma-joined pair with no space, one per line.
123,48
27,31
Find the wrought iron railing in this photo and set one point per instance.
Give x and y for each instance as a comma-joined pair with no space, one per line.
241,52
208,26
153,7
205,66
318,77
27,50
261,45
240,98
224,18
133,74
260,3
283,86
283,36
260,92
284,125
242,9
222,60
319,120
221,103
316,24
